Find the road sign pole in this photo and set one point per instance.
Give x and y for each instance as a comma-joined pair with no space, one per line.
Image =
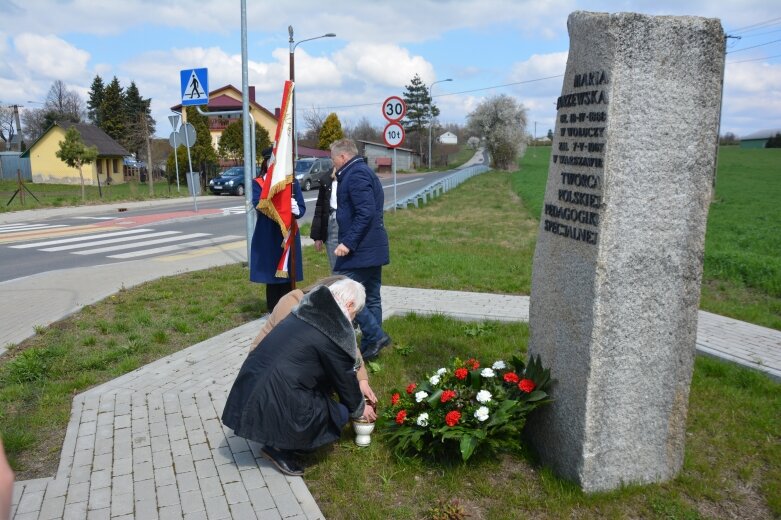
190,173
174,120
176,162
394,180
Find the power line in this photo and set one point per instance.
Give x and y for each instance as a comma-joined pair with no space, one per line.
753,46
758,25
451,93
761,34
754,59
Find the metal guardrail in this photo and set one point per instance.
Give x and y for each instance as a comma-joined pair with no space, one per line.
440,186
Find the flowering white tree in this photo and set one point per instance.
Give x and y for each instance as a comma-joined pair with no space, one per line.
501,121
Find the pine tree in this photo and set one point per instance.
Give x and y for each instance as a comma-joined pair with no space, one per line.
75,154
95,100
113,113
420,111
330,132
138,117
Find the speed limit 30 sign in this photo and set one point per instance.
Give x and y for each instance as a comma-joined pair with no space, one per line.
394,109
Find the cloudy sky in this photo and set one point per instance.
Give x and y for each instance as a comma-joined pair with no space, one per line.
487,47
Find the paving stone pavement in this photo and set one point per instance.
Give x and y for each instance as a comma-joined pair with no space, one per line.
150,444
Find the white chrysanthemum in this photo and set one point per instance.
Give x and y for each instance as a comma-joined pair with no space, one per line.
441,371
499,365
484,396
419,396
488,372
481,414
434,380
423,418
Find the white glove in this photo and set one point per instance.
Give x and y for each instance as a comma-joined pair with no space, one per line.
294,207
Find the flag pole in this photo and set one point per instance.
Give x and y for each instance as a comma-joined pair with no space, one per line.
294,222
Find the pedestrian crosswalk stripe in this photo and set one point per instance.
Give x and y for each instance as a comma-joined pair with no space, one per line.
13,228
111,241
81,238
177,247
233,210
146,243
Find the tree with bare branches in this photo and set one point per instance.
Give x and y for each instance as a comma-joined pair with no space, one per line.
313,121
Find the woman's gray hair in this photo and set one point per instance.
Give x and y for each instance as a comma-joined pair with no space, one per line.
348,290
344,146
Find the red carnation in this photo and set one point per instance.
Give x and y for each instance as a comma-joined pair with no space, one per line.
447,395
395,398
475,364
401,416
451,419
526,385
461,373
511,377
411,388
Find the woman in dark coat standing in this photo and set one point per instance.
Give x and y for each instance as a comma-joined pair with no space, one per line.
325,229
282,395
266,248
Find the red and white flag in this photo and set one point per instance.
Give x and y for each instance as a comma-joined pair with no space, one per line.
278,183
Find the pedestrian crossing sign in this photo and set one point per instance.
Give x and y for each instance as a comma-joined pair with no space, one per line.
195,86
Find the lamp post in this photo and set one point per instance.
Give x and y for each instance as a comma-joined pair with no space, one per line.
431,122
293,45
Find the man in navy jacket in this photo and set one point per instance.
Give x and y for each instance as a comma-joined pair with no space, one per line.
363,241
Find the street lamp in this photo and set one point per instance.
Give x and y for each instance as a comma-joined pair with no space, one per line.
293,45
431,122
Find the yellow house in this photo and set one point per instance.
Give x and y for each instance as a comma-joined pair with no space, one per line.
229,98
47,167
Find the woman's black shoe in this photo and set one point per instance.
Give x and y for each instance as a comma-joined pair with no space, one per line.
282,461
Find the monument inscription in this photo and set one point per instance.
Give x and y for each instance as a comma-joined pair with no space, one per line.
565,215
624,214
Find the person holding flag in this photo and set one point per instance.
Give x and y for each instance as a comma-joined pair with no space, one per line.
275,252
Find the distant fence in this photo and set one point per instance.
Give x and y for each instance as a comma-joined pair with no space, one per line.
10,162
439,187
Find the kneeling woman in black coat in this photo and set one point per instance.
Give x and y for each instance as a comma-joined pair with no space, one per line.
282,395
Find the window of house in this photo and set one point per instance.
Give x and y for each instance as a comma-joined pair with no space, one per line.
116,165
99,165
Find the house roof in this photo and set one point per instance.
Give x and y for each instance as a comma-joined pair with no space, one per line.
218,99
306,151
762,134
383,145
92,136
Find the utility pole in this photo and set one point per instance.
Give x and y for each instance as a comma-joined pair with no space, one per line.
148,155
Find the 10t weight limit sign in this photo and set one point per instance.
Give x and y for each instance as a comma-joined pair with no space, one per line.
393,135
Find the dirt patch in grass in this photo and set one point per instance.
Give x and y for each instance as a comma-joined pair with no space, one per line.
743,501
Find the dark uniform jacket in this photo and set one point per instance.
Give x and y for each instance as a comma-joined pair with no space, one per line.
266,249
359,213
282,395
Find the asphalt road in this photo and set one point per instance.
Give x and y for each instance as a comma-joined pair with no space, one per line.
44,242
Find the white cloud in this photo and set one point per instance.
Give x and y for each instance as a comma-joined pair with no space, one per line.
381,64
51,57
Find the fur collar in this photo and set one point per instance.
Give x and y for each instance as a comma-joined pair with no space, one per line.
319,309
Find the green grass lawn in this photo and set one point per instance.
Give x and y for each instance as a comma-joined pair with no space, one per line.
732,466
742,268
58,195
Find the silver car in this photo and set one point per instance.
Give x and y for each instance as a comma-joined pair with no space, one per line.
312,173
